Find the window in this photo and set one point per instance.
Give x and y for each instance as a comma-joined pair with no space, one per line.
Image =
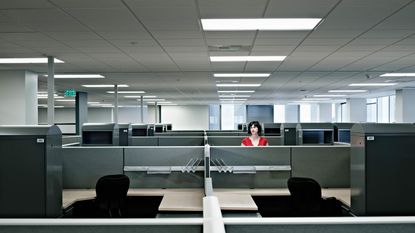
279,113
305,113
381,109
231,115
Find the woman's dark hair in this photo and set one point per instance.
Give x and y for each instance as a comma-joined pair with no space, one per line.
256,124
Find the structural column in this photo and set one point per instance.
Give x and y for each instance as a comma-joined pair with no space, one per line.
356,110
404,106
81,110
324,112
18,98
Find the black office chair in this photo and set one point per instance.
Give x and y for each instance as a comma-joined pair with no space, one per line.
111,191
306,197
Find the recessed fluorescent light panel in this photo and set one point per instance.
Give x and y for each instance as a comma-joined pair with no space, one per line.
34,60
104,85
233,99
237,85
347,91
234,96
236,91
245,58
242,75
334,96
283,24
398,75
139,96
372,84
127,92
77,76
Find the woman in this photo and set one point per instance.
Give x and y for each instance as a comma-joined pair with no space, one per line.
254,132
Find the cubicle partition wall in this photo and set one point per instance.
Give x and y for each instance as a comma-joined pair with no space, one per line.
181,133
167,141
71,140
100,134
181,140
83,166
164,167
30,172
328,165
250,167
210,133
236,140
382,169
315,133
125,132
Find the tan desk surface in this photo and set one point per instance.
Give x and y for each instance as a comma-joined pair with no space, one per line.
191,199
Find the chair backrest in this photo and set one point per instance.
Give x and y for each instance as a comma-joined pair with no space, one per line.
305,195
111,191
304,188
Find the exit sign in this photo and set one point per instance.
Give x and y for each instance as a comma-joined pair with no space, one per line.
70,92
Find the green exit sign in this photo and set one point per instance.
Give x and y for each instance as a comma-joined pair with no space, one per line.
70,92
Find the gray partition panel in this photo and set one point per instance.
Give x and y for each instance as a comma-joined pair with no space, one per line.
329,165
157,161
95,228
225,140
275,140
248,157
236,140
144,141
83,166
181,141
321,228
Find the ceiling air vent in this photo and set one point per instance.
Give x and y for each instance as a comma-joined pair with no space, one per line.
229,48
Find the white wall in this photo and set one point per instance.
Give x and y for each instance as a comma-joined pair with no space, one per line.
186,117
404,106
18,98
132,114
100,115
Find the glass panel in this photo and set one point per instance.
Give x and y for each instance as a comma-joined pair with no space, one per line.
279,113
392,100
383,109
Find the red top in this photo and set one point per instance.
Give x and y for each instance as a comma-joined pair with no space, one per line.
247,142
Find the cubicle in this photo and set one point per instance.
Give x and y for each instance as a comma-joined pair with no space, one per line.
138,130
315,133
250,167
288,130
272,129
382,169
236,140
31,172
100,134
164,167
342,132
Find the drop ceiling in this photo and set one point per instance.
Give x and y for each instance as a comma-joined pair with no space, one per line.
158,46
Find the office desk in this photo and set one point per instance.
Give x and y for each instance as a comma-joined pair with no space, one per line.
191,199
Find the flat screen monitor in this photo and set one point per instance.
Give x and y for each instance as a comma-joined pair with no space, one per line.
139,132
97,137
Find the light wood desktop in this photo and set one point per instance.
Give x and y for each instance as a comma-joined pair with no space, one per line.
192,199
